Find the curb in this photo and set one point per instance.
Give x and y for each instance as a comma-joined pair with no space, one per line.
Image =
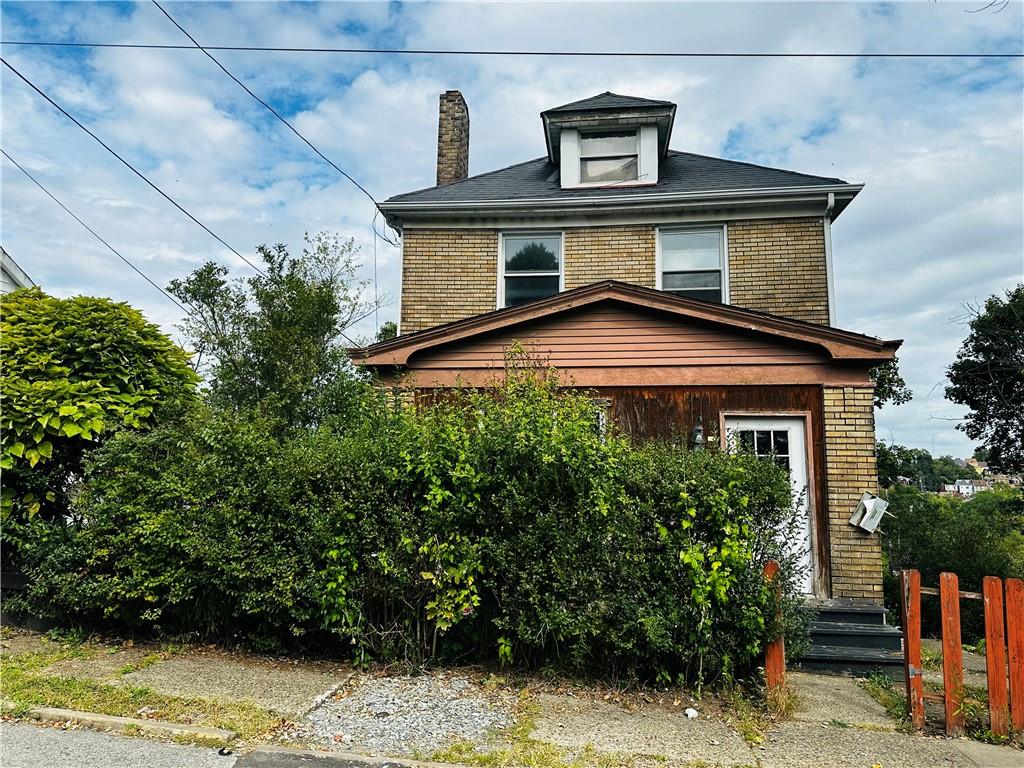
329,758
123,724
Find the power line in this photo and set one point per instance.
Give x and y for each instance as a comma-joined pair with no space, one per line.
93,232
275,113
128,165
487,52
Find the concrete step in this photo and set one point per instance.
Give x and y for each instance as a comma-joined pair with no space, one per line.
857,661
848,612
841,634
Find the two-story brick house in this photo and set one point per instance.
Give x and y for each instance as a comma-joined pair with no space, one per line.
692,294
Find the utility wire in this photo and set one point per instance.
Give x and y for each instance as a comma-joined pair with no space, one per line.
93,232
128,165
276,114
487,52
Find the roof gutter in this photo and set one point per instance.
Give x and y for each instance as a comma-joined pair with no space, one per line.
826,223
628,202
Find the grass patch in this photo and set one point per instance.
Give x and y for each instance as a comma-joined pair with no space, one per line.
146,661
25,683
931,660
894,699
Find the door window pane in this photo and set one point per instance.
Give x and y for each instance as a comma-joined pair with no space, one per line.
763,445
780,442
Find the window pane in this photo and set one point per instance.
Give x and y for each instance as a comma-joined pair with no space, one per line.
519,290
608,143
531,254
745,440
764,442
608,170
714,295
783,461
678,281
780,442
691,250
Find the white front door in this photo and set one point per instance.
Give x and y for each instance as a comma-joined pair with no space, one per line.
782,438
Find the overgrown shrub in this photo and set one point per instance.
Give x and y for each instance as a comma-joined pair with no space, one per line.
492,525
973,538
74,371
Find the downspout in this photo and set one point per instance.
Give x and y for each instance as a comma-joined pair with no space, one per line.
826,221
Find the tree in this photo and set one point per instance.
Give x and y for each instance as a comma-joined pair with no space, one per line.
889,384
387,331
988,378
915,464
74,371
274,341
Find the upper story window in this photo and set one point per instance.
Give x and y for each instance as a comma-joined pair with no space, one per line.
531,267
609,157
693,263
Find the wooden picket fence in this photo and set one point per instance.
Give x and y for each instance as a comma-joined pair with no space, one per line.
1004,641
775,652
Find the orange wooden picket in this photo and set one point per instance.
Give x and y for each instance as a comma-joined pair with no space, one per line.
1015,641
995,656
952,653
775,653
910,594
1004,650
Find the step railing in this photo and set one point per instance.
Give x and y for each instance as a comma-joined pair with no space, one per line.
1004,642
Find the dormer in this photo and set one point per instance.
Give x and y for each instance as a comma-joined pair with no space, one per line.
608,140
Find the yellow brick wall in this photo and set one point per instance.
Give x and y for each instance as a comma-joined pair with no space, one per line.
778,266
447,274
850,470
593,254
775,265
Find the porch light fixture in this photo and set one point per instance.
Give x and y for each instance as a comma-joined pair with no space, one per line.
869,512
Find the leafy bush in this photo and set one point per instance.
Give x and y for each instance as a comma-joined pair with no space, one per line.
973,538
493,525
74,370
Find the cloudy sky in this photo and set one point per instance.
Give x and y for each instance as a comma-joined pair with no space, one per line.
937,141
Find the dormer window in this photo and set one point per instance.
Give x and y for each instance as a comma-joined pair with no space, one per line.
608,157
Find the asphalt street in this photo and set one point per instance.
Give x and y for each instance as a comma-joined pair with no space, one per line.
30,746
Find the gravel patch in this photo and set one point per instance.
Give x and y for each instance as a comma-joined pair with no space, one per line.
404,715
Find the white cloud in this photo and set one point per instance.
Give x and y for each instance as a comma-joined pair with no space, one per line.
937,141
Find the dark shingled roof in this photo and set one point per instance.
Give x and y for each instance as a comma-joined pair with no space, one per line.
608,100
680,172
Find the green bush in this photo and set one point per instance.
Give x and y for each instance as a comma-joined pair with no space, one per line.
973,538
493,525
74,371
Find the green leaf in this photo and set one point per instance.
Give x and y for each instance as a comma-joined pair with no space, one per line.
18,449
68,410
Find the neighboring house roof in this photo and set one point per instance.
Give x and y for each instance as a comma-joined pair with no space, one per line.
608,100
12,276
838,344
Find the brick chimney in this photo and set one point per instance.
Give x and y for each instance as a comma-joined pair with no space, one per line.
452,138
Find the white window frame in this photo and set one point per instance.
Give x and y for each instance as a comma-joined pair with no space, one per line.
723,229
647,157
527,233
